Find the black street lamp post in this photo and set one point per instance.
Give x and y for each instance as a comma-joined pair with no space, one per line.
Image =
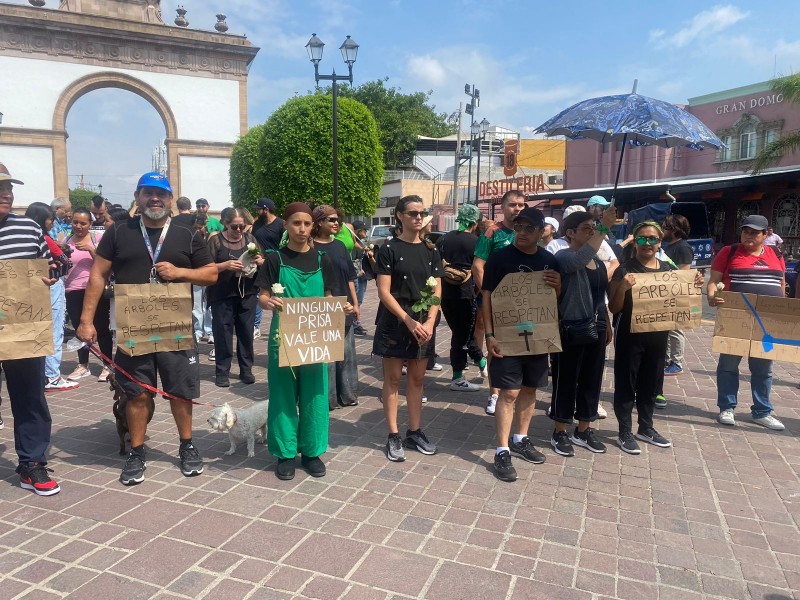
479,129
475,100
349,51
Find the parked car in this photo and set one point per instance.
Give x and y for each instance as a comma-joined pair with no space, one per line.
378,234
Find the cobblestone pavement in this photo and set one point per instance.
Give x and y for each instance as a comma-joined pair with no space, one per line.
716,516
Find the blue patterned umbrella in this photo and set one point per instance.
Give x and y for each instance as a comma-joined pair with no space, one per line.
631,119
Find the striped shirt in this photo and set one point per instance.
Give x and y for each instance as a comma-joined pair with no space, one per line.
21,237
743,272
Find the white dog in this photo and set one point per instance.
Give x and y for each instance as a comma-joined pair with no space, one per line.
241,424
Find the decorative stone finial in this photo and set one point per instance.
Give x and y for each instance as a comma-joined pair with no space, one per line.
37,3
221,25
180,20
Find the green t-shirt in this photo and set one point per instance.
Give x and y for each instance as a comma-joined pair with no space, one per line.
493,239
213,224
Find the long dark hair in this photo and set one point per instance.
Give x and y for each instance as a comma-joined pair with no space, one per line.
401,207
118,214
40,213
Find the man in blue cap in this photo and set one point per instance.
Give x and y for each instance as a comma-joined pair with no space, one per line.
595,206
146,249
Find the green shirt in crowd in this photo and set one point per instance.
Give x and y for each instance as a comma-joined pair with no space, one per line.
493,239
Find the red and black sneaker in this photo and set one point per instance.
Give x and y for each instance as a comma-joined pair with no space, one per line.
33,476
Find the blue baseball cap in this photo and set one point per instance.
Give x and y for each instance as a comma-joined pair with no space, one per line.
598,200
154,179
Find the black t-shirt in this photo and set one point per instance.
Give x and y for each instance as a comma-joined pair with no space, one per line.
308,262
269,235
409,265
458,249
624,321
228,284
513,260
124,246
680,252
186,219
342,265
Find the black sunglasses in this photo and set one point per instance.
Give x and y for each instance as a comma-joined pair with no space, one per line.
417,214
332,219
237,227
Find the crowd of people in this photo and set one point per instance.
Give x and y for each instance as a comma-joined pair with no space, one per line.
240,267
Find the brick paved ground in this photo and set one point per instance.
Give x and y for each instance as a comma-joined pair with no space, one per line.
716,516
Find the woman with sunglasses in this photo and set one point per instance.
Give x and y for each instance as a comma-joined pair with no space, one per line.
343,374
233,298
404,266
639,357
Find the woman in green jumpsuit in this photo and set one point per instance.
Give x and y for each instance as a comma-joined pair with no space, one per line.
302,273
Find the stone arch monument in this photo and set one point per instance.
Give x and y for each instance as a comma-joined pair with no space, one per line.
195,80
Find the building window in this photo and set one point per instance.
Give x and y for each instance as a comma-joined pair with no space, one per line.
745,210
726,152
676,158
747,143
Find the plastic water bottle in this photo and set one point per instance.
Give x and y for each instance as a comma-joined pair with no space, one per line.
74,344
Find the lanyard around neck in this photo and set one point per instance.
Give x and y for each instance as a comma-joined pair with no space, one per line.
154,255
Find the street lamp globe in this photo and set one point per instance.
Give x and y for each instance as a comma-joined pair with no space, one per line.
349,50
475,128
484,126
315,46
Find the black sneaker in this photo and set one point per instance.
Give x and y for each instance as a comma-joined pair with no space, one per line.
416,440
503,468
651,436
313,465
222,381
560,443
394,448
133,471
359,332
285,469
247,377
526,451
34,476
587,439
628,444
191,461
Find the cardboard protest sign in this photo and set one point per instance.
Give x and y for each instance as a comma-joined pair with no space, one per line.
769,327
153,317
525,315
665,301
26,322
311,331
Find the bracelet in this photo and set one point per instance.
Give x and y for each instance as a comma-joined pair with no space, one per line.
489,334
602,228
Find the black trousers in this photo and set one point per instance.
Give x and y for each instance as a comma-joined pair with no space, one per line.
32,422
460,316
229,315
101,322
577,379
638,362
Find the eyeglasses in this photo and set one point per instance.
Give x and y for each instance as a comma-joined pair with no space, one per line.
522,227
237,227
417,214
647,240
332,219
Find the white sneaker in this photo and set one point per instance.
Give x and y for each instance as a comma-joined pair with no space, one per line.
211,339
601,412
256,333
104,374
770,422
80,372
491,404
424,399
437,367
405,370
59,384
726,417
462,385
485,371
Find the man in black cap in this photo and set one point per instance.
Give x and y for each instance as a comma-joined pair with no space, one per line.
213,224
268,227
517,377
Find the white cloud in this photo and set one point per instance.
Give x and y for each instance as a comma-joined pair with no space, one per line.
428,70
702,25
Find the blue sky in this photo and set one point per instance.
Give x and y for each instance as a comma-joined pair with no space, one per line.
529,59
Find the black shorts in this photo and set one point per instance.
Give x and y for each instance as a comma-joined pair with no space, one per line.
179,372
515,372
393,339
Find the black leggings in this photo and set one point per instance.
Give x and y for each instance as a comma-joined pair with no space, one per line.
101,322
460,316
577,379
638,362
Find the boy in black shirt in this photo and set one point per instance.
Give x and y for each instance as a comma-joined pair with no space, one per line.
517,377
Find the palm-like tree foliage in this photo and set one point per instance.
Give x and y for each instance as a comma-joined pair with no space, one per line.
790,88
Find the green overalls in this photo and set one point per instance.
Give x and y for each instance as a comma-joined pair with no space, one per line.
306,389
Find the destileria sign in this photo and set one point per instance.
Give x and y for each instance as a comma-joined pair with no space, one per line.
530,184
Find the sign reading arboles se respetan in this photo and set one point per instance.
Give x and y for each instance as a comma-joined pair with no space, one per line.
311,331
769,327
525,315
26,321
665,301
153,317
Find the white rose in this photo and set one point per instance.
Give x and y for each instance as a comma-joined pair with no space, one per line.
430,282
720,286
277,289
251,247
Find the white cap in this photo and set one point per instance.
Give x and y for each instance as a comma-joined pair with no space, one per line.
552,221
573,208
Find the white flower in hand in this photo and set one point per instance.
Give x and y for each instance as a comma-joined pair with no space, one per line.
278,289
430,282
720,286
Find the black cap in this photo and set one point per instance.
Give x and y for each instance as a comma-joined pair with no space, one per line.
266,203
201,201
757,222
534,215
359,225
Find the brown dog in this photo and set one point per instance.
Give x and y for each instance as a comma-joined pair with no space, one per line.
120,402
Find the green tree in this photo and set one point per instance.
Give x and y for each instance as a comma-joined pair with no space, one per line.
294,156
790,88
81,198
401,118
247,169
